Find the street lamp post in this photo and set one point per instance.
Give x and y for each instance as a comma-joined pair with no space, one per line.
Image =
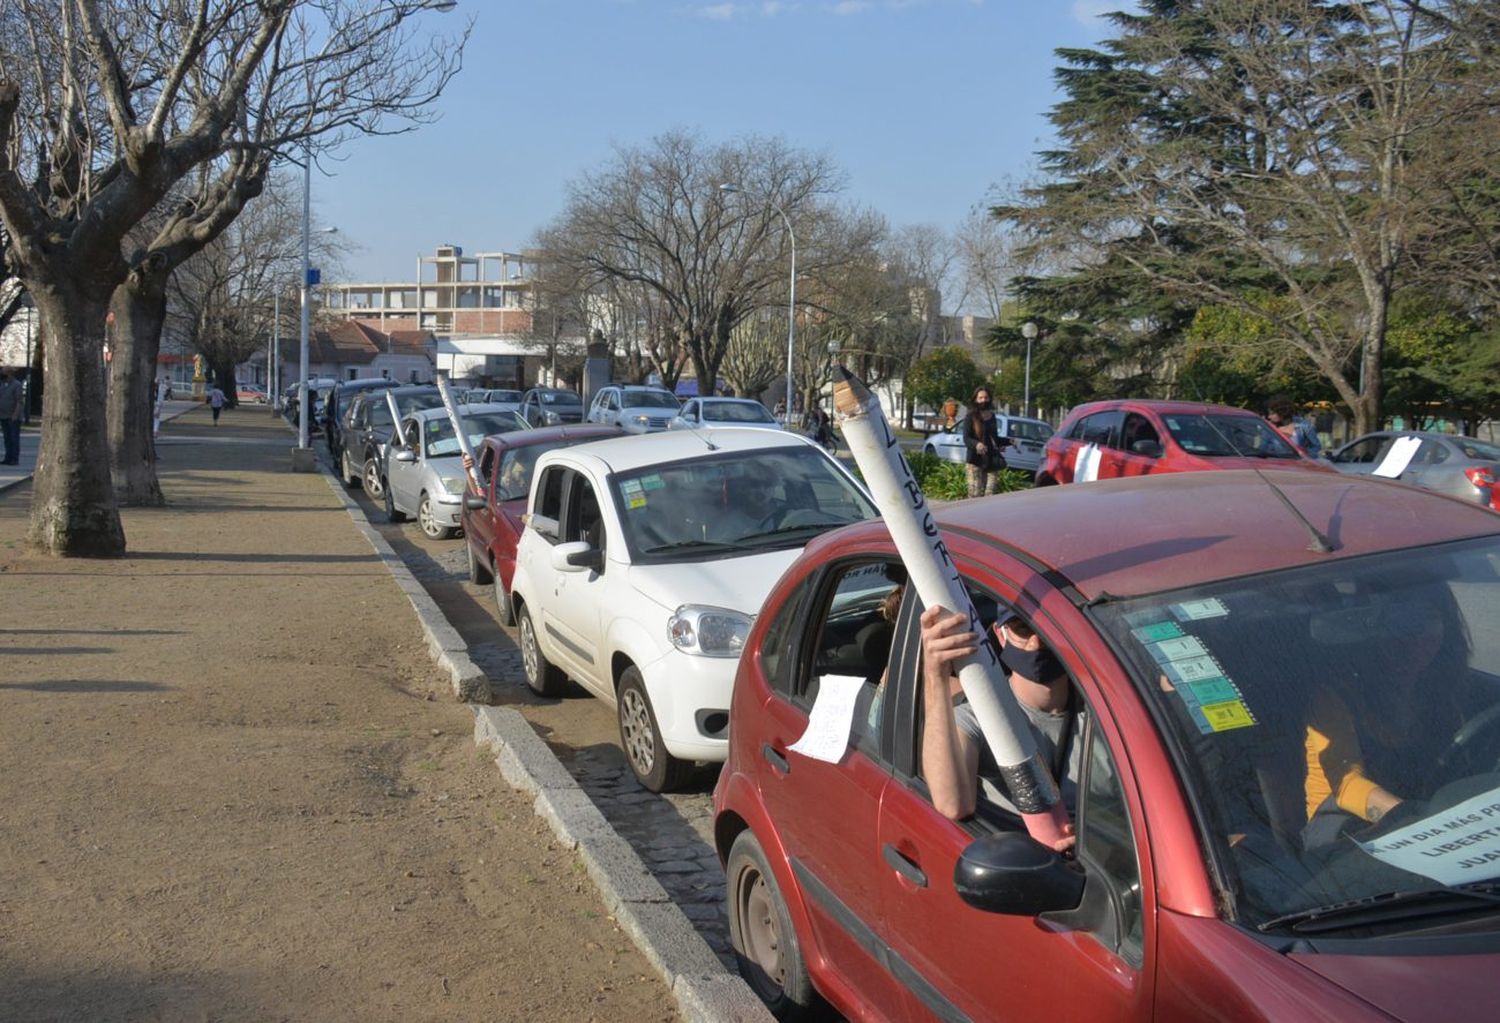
791,308
1029,332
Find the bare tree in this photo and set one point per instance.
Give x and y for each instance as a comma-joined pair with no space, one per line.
106,107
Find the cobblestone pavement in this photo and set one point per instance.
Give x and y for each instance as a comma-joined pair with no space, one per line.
672,833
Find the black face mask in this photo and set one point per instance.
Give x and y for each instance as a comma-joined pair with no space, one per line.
1039,665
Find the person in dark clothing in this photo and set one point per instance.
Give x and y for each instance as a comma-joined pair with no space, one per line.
983,444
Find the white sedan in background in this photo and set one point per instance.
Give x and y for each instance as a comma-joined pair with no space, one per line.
643,562
1027,439
715,412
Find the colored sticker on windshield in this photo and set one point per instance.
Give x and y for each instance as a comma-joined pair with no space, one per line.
1157,632
635,501
1192,669
1195,610
1224,717
652,482
1212,690
631,486
1181,648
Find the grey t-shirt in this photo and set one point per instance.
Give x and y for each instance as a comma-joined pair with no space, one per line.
1048,731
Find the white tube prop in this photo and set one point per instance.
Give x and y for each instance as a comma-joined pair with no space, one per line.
937,580
471,468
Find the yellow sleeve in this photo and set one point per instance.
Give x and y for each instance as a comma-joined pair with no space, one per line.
1333,761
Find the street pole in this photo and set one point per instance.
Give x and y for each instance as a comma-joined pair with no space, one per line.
273,374
1029,332
302,395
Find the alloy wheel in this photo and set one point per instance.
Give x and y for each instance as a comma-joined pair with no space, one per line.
640,738
372,480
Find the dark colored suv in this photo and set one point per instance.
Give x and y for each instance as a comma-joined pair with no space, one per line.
336,405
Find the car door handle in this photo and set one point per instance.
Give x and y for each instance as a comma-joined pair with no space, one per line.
903,866
776,758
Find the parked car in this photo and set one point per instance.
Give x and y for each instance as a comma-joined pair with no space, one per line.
368,428
252,393
1460,467
493,396
1213,878
336,403
1027,439
633,408
291,399
641,567
700,413
425,475
548,406
1139,438
492,520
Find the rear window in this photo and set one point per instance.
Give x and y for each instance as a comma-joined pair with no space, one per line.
560,398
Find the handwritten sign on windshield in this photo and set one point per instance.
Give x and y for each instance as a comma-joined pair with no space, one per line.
1458,845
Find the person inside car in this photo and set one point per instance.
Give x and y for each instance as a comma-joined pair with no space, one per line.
956,761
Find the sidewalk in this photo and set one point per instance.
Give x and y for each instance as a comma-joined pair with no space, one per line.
234,786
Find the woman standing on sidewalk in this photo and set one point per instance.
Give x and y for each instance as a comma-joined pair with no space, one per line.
982,442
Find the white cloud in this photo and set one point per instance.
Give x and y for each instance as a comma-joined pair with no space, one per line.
717,12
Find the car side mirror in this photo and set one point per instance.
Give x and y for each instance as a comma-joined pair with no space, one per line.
1014,874
474,502
406,455
577,556
1149,448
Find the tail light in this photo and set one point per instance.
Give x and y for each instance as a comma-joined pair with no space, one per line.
1483,477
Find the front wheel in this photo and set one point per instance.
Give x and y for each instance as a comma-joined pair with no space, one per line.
349,479
373,487
479,572
428,520
760,931
542,677
392,513
503,610
640,737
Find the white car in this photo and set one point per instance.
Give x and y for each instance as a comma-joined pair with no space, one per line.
1028,437
633,408
425,475
698,413
645,559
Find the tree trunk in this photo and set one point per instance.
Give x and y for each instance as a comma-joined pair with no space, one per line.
140,308
73,508
1367,410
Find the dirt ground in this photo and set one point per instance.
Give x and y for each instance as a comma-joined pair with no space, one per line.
233,787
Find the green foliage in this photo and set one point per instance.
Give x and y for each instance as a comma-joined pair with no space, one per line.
946,372
942,480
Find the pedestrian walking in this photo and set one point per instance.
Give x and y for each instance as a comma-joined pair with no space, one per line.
982,446
10,416
216,402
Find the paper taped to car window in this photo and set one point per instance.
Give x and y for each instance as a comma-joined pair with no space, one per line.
1086,466
1398,457
832,717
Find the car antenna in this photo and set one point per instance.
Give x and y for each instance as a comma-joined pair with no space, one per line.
1318,543
702,435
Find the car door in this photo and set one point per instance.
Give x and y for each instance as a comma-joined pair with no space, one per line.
840,630
479,523
403,477
963,963
1427,468
1098,430
573,612
1138,450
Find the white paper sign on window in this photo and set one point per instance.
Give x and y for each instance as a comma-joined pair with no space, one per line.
832,717
1458,845
1086,464
1397,457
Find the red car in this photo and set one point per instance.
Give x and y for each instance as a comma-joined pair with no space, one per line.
1106,439
492,520
1246,707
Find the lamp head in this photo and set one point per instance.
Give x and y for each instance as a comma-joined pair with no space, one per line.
1028,330
728,188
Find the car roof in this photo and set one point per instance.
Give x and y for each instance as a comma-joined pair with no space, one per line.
632,451
1159,406
364,384
544,434
470,409
1144,534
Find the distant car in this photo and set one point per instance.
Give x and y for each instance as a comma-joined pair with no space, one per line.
493,396
291,399
549,406
641,567
492,520
1027,439
1142,438
368,428
700,413
633,408
336,403
253,393
1224,678
425,475
1460,467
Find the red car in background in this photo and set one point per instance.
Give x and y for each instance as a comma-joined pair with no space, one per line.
492,520
1205,640
1108,439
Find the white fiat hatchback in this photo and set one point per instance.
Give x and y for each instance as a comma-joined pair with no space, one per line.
643,562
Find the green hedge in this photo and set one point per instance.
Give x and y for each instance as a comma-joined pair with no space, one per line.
942,480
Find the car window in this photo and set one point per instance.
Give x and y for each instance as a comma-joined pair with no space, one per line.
1137,429
509,397
1224,435
737,412
778,645
1431,452
1099,428
487,464
584,521
1478,451
1106,845
1026,429
648,399
549,500
1337,725
442,441
560,398
1365,451
411,429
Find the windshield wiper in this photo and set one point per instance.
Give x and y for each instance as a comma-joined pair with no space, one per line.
1388,907
696,545
799,527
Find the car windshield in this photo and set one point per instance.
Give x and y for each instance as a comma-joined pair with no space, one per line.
416,402
511,397
647,399
1338,726
559,398
1218,435
736,412
1023,429
736,501
441,440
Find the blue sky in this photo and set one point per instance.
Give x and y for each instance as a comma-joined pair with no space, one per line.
925,105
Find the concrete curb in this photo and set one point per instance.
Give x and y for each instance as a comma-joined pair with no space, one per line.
703,988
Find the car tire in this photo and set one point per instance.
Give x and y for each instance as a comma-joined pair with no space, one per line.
1042,479
542,677
640,737
760,931
479,573
374,489
350,480
428,522
391,513
503,609
930,450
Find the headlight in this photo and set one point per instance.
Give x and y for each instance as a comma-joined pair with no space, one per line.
641,420
552,418
453,484
708,631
